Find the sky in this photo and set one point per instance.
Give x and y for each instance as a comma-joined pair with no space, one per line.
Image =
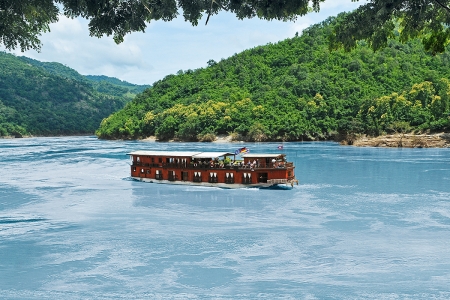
167,47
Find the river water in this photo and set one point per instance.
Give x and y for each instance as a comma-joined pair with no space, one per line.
365,223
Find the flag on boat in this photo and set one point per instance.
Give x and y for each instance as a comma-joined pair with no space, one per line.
242,151
280,147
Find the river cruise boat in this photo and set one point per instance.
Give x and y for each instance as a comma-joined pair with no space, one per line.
217,169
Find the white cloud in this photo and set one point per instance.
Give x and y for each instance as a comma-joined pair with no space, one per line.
65,25
167,47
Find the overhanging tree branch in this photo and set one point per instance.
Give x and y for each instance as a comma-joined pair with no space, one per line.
22,21
442,5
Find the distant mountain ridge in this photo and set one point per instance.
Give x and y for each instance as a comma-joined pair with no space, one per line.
115,81
54,68
48,98
105,83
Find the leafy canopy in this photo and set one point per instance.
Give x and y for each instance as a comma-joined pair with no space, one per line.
375,22
22,21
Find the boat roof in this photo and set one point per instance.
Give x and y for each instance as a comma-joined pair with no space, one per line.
256,155
181,154
211,154
165,153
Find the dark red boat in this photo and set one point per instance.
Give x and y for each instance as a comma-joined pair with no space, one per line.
219,169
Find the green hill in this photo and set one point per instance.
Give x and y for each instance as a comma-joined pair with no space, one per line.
100,83
293,90
40,98
54,68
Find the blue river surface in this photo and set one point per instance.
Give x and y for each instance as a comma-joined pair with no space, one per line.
363,223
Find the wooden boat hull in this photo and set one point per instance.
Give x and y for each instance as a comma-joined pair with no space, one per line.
286,185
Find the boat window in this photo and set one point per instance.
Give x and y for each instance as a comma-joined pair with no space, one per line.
197,176
213,177
229,178
247,178
138,158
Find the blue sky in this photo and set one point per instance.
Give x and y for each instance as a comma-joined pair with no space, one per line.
167,47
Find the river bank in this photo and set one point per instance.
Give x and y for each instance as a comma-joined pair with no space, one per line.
438,140
220,139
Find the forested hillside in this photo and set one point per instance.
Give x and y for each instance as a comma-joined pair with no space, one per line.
293,90
115,86
40,98
100,83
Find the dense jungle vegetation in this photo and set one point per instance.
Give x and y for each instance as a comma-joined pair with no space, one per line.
295,90
39,98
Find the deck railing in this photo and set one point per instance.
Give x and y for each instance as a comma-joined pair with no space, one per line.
137,163
278,165
241,166
277,181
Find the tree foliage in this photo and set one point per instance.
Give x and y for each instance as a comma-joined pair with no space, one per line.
375,22
22,21
295,90
424,107
51,99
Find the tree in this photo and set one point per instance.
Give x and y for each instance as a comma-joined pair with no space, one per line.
22,21
400,127
376,20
